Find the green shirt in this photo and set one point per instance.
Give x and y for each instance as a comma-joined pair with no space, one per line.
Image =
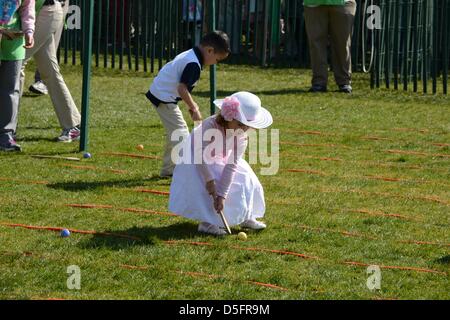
324,2
38,6
13,50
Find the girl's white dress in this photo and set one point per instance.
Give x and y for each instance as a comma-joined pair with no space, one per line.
244,195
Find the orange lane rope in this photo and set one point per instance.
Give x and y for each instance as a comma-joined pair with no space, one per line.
387,165
310,132
130,155
25,181
386,179
281,252
9,253
392,195
370,177
382,214
316,172
311,157
135,210
366,163
425,243
164,193
327,145
441,144
417,153
58,229
246,248
360,264
344,233
410,130
375,138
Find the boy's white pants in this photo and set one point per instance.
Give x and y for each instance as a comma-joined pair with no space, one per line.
172,120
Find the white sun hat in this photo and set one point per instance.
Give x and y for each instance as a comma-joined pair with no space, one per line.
251,113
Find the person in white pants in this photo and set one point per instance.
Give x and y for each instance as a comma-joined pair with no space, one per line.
48,22
39,87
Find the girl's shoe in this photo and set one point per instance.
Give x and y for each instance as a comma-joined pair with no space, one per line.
253,224
206,227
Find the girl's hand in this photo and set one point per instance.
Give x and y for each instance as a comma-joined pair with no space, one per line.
29,41
211,188
218,204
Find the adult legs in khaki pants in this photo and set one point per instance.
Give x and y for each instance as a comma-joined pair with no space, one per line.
330,25
172,120
48,22
58,34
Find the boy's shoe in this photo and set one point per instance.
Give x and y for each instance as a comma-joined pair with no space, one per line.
346,88
253,224
39,88
8,143
317,88
209,228
69,135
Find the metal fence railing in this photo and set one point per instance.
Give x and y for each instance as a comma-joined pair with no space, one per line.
411,46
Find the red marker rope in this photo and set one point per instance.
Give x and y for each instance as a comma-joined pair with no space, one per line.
164,193
130,155
360,264
25,181
59,229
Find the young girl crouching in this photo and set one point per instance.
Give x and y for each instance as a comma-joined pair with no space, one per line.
213,177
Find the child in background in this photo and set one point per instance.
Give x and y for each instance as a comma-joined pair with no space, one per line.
223,181
17,19
175,82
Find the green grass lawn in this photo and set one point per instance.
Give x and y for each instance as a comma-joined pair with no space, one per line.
372,186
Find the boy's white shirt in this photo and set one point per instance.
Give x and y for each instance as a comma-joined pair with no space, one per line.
165,85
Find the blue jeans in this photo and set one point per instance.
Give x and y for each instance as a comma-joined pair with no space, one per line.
9,95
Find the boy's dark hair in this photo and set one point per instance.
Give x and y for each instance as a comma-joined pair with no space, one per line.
218,40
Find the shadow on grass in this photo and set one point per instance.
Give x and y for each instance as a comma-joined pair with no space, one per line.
35,139
149,236
31,127
221,93
93,185
444,260
31,95
67,153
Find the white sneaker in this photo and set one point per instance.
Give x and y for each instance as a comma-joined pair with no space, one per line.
39,88
253,224
209,228
69,135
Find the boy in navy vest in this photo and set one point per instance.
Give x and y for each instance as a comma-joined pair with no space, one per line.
175,82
